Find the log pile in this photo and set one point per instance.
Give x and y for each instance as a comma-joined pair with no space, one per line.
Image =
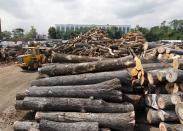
96,43
101,93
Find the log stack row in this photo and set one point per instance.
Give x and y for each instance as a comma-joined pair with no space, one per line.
89,96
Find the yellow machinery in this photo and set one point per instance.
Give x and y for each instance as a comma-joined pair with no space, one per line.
32,58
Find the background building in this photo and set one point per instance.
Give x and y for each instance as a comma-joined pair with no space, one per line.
65,27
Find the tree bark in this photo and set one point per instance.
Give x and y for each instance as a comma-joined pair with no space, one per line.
115,121
145,127
105,90
25,125
179,111
170,127
164,101
46,125
72,104
174,75
79,68
137,100
168,115
177,98
64,58
152,77
84,79
151,101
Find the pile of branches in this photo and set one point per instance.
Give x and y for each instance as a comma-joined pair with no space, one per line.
96,43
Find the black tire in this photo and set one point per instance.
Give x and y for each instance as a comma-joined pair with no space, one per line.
33,65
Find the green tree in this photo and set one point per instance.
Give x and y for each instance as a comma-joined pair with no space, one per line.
30,35
53,33
6,35
18,34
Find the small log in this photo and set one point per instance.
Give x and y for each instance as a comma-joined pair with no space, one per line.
179,111
178,64
137,100
64,58
72,104
170,127
164,101
174,75
84,79
114,121
25,125
153,117
174,51
46,125
151,101
79,68
168,115
105,90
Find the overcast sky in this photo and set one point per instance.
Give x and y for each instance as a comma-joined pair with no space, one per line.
45,13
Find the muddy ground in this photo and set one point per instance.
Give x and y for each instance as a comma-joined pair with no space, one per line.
12,80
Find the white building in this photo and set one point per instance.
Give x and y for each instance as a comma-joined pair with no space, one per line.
65,27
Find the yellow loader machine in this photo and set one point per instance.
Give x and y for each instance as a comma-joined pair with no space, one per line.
32,58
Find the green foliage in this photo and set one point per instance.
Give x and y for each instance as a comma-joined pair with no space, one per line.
166,31
31,35
52,33
18,34
6,35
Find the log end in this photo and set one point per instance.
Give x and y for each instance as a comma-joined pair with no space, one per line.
179,111
161,103
176,64
150,78
162,127
172,75
175,99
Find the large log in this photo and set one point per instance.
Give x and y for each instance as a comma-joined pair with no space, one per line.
137,100
168,115
174,75
177,98
72,104
153,117
170,127
145,127
84,79
46,125
64,58
164,101
179,111
79,68
105,90
152,77
25,125
115,121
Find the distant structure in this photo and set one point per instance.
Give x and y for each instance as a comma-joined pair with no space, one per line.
65,27
0,30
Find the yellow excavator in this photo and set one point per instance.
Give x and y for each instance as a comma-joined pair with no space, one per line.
32,58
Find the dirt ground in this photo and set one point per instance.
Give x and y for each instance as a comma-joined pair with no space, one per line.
12,80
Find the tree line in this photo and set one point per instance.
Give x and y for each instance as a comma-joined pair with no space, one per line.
165,31
19,34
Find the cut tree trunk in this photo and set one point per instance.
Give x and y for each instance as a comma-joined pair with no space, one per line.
178,64
145,127
168,115
152,77
170,127
151,101
25,125
179,111
177,98
164,101
79,68
46,125
153,117
84,79
72,104
174,75
115,121
171,88
105,90
137,100
64,58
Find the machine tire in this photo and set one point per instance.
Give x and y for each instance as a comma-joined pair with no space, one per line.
33,65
